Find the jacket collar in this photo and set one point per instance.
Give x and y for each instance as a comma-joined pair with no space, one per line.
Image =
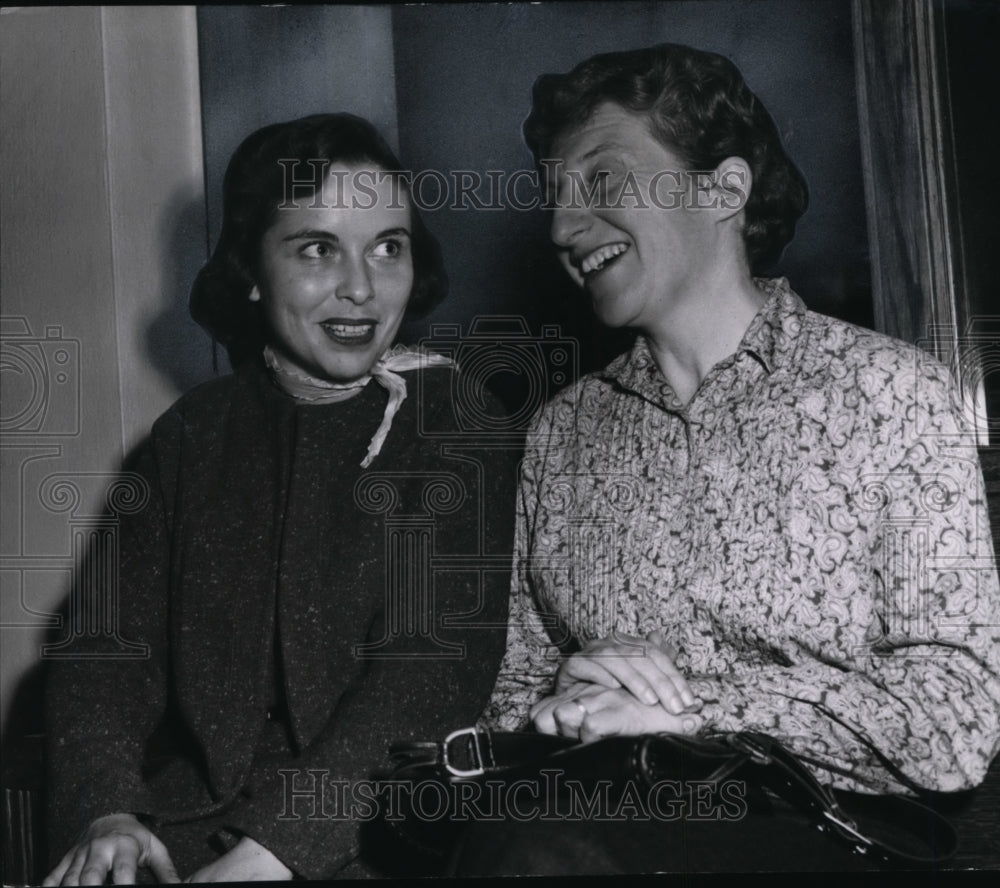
769,339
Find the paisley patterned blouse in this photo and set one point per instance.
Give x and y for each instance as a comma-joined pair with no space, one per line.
809,532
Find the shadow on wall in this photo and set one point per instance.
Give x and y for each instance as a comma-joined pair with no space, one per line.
175,345
179,352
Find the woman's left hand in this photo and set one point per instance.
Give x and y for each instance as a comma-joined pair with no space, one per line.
588,712
247,861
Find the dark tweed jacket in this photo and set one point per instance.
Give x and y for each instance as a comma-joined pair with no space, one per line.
261,525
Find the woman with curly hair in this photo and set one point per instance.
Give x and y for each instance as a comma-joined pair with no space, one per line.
759,518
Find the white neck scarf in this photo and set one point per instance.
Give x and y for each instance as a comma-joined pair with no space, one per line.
305,387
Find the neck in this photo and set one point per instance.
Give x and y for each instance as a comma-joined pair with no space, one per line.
703,327
303,386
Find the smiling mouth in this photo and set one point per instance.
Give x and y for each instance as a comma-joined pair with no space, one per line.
349,332
602,258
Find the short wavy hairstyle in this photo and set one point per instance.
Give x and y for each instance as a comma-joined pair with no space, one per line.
698,106
254,187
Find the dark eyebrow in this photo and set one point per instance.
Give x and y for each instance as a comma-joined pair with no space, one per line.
310,233
320,234
393,232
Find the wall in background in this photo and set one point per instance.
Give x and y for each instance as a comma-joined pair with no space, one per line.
451,83
262,65
101,232
464,79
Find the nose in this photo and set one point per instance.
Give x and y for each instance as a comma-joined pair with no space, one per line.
355,284
568,223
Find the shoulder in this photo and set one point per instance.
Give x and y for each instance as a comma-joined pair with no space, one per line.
572,396
859,378
808,345
436,382
203,399
207,395
211,404
573,409
592,390
845,354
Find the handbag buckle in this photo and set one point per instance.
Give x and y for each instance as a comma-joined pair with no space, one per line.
477,754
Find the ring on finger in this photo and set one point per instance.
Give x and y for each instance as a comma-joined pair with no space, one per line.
582,708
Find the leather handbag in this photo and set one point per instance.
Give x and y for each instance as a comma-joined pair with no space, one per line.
472,763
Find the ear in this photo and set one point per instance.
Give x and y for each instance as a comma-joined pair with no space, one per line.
732,183
255,294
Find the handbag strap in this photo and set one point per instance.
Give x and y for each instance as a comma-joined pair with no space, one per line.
893,827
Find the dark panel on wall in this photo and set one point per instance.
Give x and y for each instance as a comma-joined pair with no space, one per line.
464,77
265,64
973,35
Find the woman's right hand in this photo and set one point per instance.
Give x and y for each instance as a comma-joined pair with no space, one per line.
116,845
642,666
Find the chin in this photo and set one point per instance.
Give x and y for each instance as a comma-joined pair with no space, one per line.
344,373
346,377
610,318
608,310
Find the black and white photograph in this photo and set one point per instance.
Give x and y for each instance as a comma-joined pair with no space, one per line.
547,440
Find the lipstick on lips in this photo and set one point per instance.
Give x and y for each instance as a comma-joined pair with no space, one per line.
350,331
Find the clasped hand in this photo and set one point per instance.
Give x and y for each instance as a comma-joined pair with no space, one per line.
619,685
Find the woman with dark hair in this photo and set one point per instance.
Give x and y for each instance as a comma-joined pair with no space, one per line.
281,167
278,574
759,518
